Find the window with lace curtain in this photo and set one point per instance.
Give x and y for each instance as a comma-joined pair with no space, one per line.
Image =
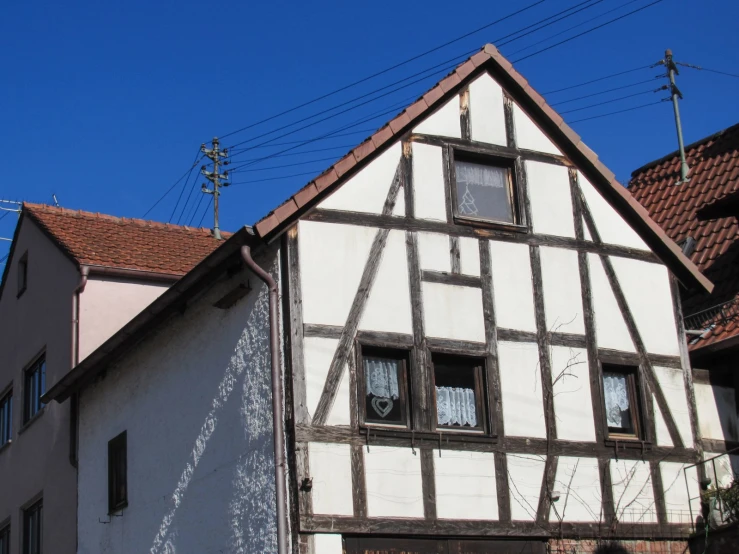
383,389
621,399
458,388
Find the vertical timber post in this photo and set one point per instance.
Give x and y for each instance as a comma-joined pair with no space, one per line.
675,95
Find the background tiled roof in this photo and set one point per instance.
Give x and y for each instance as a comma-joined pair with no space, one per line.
714,177
104,240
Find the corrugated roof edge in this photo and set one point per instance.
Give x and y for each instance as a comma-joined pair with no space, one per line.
154,314
487,59
676,153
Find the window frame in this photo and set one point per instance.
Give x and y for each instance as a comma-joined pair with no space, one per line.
6,425
22,271
636,401
479,367
404,384
5,536
38,361
510,161
117,446
35,507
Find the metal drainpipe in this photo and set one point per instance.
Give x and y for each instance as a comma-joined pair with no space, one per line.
277,402
74,406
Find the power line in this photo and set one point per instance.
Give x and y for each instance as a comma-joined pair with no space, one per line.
194,213
600,79
299,141
382,72
163,196
605,91
691,66
274,178
184,186
588,31
205,211
612,100
621,111
281,166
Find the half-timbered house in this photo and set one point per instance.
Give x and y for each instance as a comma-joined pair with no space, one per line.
479,340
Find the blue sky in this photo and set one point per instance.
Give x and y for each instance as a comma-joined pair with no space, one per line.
106,104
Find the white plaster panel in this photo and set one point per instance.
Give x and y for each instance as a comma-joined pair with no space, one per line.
578,483
646,287
331,469
339,414
318,353
679,497
452,312
726,467
633,496
663,434
585,231
443,122
562,293
525,474
512,291
611,227
429,195
367,190
529,136
717,412
487,116
434,252
388,306
610,327
521,389
393,477
328,544
469,256
573,407
399,208
673,386
551,199
465,485
332,259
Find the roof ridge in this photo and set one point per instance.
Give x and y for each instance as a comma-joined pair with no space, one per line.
67,212
687,147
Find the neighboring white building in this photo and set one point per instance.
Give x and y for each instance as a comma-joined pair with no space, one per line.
480,343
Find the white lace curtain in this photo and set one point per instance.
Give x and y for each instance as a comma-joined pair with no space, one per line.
381,378
617,400
456,406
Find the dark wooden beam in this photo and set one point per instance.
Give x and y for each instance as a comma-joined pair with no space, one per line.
547,486
296,347
359,486
450,279
428,483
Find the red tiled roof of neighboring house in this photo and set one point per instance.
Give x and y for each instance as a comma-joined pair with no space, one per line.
490,59
123,243
704,208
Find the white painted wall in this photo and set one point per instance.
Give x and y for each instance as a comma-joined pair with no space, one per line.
512,286
318,354
717,413
434,252
673,386
487,116
528,134
578,483
525,474
573,408
633,495
453,312
562,292
680,496
469,256
328,544
663,434
610,327
195,400
443,122
465,485
367,190
393,477
551,199
331,470
107,304
520,384
428,182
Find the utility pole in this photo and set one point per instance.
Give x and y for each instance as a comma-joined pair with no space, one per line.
215,177
676,94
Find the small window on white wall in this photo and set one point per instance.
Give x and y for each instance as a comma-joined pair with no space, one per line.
484,190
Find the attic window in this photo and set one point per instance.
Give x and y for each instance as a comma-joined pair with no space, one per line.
22,274
484,190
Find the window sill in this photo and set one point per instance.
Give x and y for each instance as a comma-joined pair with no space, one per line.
495,225
5,446
118,510
626,443
31,421
448,436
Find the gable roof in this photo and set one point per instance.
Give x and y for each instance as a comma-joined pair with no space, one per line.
705,209
490,60
123,243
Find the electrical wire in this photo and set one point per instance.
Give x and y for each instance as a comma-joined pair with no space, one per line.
281,166
621,111
194,213
299,141
274,178
382,72
612,100
163,196
184,186
588,31
691,66
605,91
205,211
600,79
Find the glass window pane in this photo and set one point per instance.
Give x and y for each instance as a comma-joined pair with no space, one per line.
456,395
483,192
383,402
618,409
